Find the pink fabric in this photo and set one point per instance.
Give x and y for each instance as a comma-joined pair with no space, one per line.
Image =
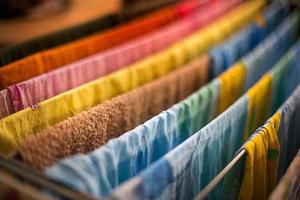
70,76
187,7
6,106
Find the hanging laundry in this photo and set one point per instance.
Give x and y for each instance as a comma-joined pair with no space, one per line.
96,126
44,61
16,127
148,142
249,66
18,51
260,175
262,161
289,136
233,83
45,86
228,54
254,66
35,145
186,169
6,107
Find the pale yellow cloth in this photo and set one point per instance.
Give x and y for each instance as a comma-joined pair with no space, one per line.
14,128
261,162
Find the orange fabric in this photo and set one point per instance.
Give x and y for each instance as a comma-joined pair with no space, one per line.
51,59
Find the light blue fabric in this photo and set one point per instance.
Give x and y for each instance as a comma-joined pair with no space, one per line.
285,88
266,54
226,54
191,165
188,168
289,131
123,158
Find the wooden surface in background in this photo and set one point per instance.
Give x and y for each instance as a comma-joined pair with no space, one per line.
79,11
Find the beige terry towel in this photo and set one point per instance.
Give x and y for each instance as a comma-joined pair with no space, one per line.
91,129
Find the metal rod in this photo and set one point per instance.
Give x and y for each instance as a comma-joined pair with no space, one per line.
205,192
38,179
15,184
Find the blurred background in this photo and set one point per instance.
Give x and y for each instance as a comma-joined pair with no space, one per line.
21,20
25,19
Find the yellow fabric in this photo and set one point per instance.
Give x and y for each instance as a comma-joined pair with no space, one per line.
261,162
231,86
14,128
275,120
260,20
259,104
273,166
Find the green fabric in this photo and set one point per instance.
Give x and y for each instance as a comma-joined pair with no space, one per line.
272,154
279,73
198,109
